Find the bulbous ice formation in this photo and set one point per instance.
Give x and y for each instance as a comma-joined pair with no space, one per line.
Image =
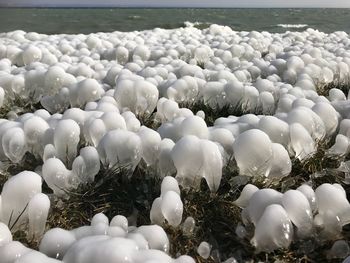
281,164
246,194
56,242
195,158
194,125
329,116
14,144
204,250
309,194
87,164
66,139
172,208
15,196
169,183
276,129
155,236
301,142
341,146
150,141
38,211
58,177
119,147
253,153
274,229
85,91
333,207
299,211
137,95
156,214
259,201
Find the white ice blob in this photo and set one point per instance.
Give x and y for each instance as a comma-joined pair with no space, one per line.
246,194
155,236
172,208
204,250
195,159
14,144
281,165
253,153
38,211
15,196
119,147
137,95
150,141
58,177
299,211
274,229
301,142
66,139
259,201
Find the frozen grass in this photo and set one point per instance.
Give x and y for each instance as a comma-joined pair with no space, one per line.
19,106
213,113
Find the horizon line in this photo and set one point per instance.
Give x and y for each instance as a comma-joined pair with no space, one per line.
9,5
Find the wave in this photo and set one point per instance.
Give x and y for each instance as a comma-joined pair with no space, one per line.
200,25
292,25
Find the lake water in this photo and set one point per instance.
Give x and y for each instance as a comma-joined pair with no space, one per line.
70,20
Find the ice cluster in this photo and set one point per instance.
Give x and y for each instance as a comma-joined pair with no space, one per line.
169,205
123,98
280,218
113,241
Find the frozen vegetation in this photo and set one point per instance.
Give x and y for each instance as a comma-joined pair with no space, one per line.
252,122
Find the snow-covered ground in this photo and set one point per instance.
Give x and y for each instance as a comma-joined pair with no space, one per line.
95,93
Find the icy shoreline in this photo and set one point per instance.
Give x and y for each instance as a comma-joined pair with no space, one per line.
82,103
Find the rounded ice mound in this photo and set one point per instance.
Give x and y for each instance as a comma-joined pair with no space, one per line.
172,208
253,153
137,95
66,139
38,211
281,164
58,177
194,125
333,207
119,147
195,159
56,242
328,115
87,164
276,129
14,144
274,229
259,201
246,194
309,194
299,211
85,91
16,194
31,54
150,141
301,142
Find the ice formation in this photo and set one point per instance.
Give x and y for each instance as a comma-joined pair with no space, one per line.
16,194
195,159
169,205
276,215
98,93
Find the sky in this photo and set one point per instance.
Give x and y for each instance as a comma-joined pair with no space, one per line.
181,3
